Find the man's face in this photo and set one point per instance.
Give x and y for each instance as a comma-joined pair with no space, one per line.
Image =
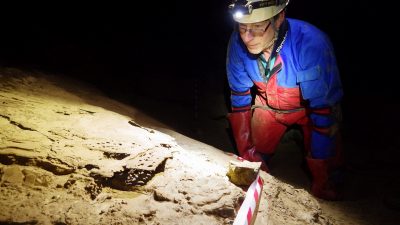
256,36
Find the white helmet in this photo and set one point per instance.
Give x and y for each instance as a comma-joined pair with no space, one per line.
253,11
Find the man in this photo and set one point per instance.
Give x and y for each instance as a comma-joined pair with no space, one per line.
293,68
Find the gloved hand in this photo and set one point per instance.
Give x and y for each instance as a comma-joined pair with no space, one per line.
241,128
253,156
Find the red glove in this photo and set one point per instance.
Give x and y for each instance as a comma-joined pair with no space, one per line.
241,128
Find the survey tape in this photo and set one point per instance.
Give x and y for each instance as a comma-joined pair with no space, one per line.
235,156
248,210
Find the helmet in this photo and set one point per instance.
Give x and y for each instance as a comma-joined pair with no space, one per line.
253,11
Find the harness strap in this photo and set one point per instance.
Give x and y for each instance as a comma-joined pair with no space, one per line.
266,107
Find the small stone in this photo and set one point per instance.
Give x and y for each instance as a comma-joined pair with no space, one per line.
243,173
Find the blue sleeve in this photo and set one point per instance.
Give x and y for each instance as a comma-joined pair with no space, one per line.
238,78
319,78
319,81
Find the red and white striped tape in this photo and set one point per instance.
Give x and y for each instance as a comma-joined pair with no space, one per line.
247,210
235,156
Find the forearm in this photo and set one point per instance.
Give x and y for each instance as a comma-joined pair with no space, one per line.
325,131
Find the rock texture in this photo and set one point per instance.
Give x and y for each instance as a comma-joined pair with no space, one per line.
69,155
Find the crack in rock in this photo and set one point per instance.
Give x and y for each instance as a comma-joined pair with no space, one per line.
55,168
115,155
22,127
17,124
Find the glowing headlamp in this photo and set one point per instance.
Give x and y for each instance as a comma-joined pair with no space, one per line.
239,8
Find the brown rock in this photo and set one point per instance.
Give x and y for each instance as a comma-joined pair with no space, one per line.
13,174
243,173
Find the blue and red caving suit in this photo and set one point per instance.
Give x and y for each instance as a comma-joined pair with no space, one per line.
299,84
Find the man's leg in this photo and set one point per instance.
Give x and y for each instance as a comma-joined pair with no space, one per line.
266,130
324,158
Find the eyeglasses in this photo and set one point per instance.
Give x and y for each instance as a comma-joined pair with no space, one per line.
254,30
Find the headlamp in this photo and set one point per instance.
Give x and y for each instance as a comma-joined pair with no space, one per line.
244,7
240,8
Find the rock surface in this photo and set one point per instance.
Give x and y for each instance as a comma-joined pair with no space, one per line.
70,155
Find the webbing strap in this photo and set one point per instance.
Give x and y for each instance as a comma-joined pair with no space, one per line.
266,107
